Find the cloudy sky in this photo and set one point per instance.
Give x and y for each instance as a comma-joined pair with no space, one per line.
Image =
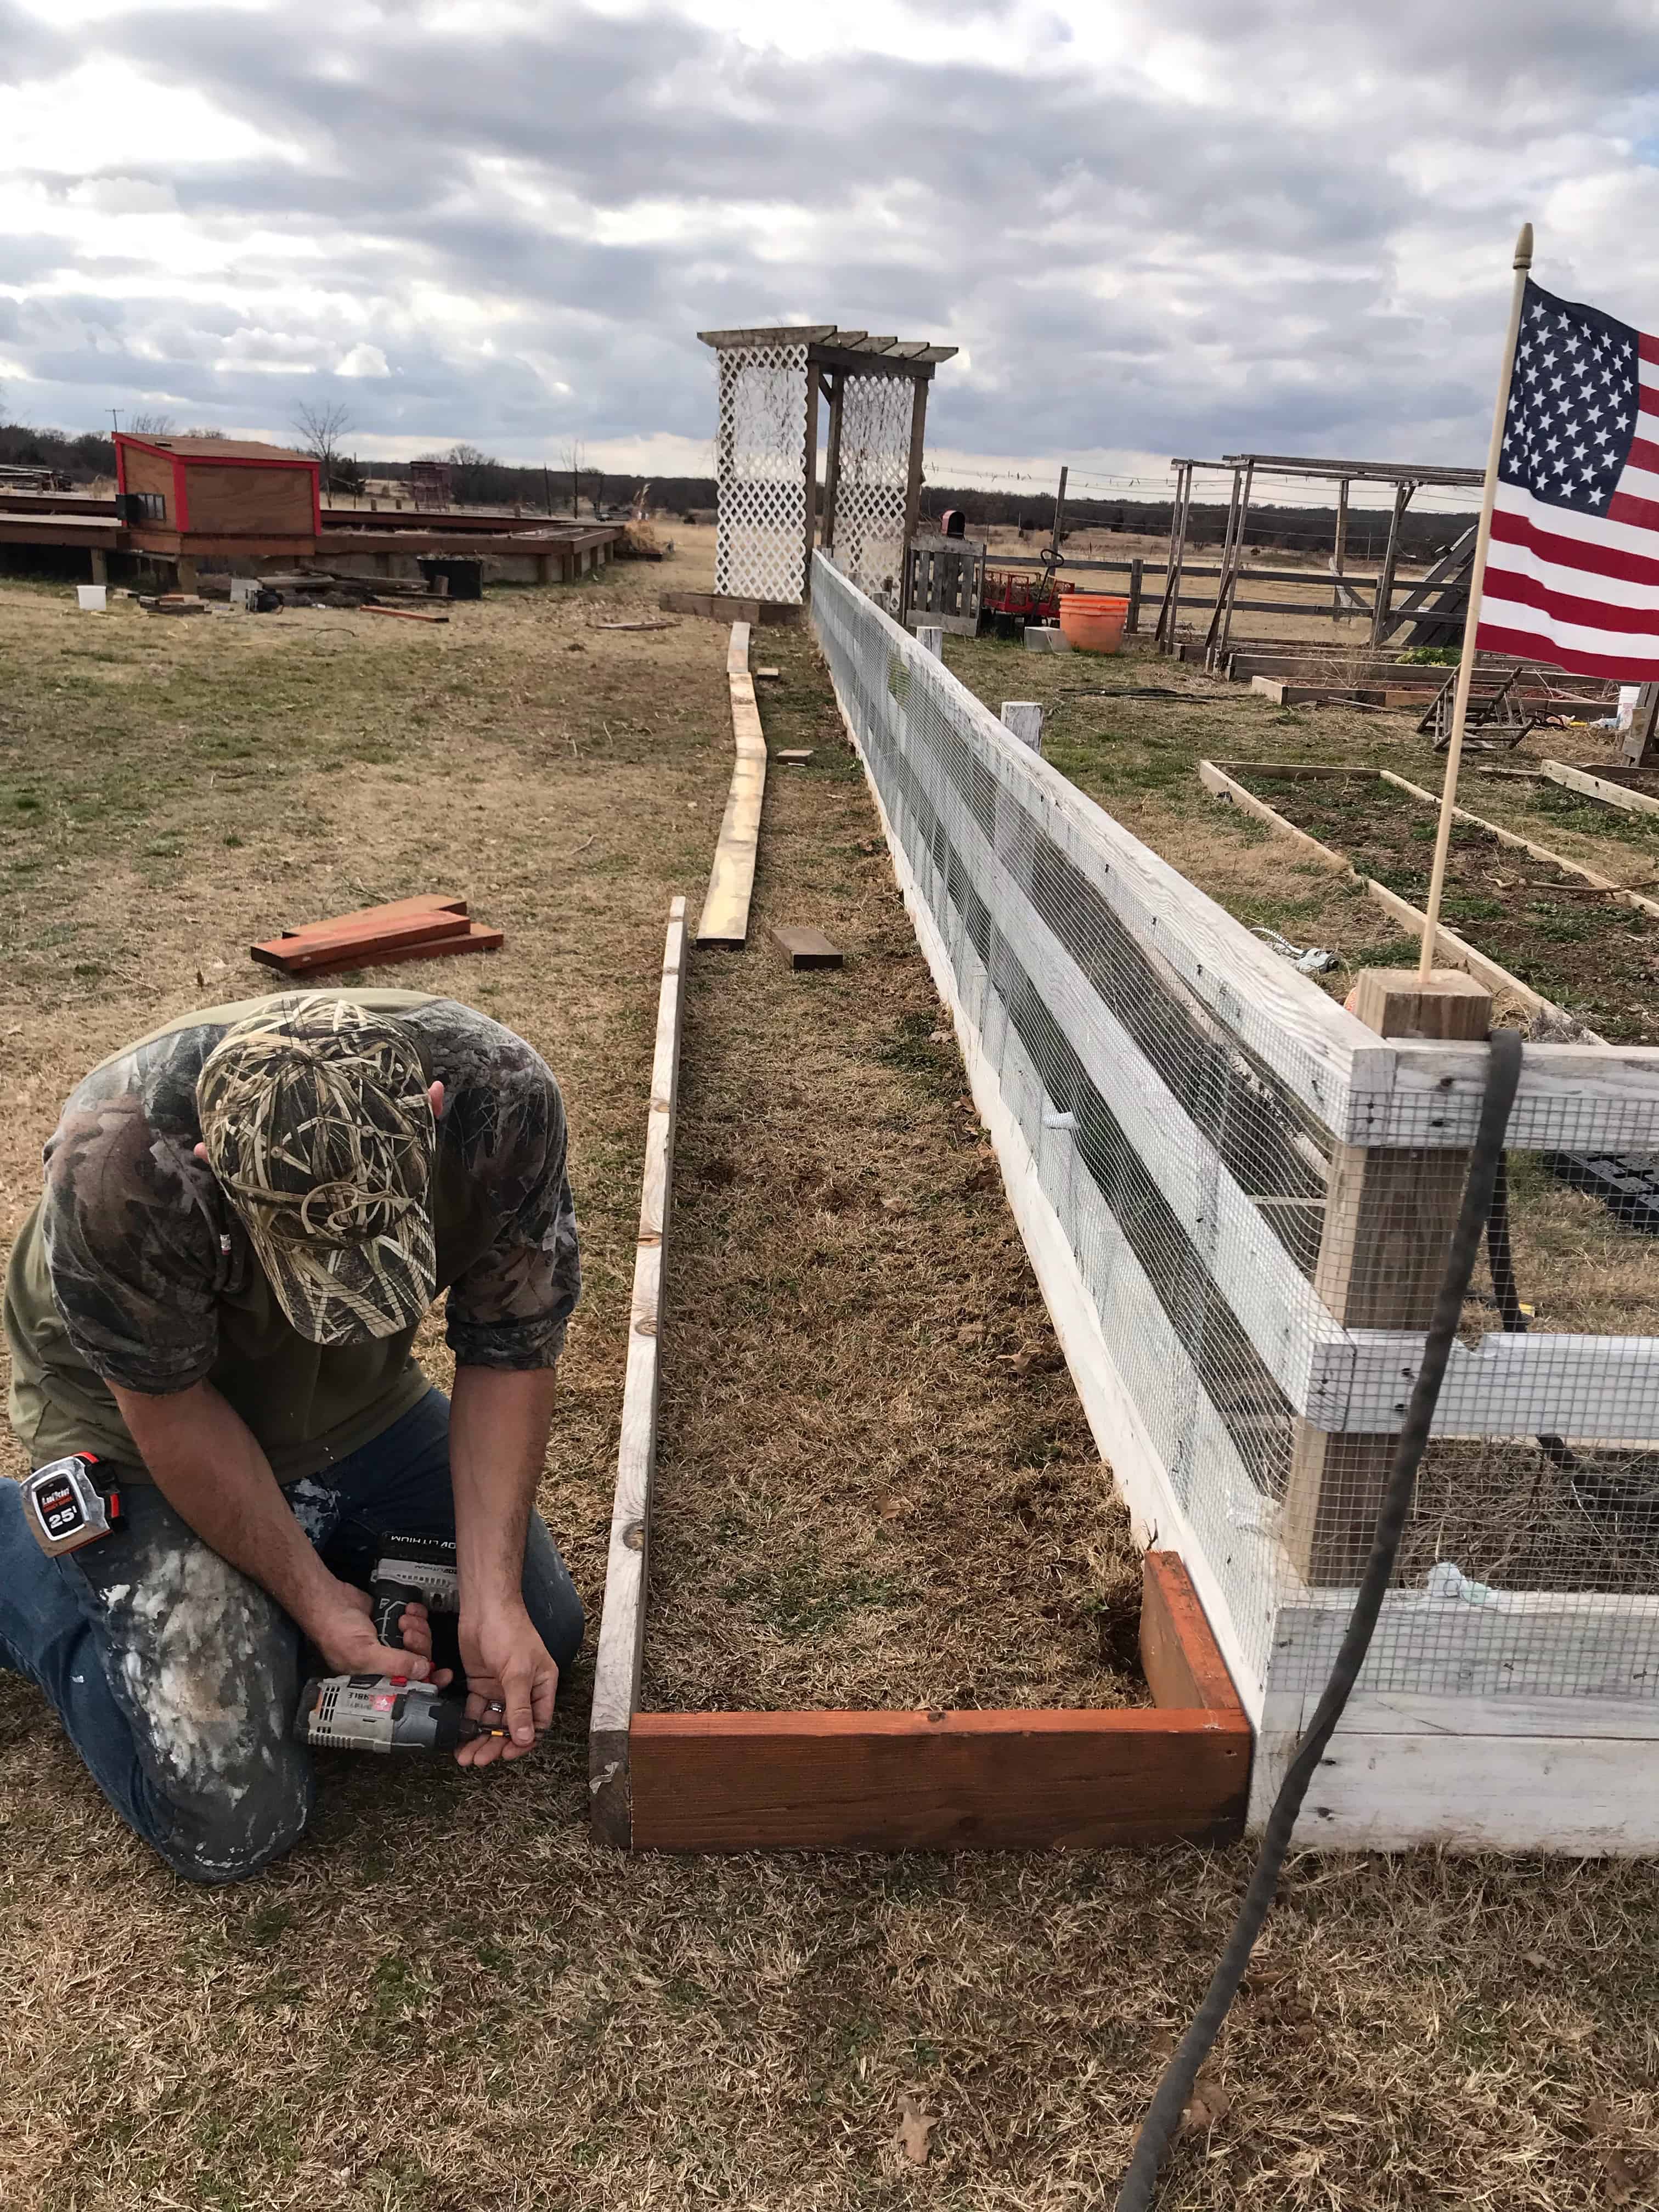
1151,226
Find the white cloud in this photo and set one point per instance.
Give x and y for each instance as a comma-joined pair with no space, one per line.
363,360
532,211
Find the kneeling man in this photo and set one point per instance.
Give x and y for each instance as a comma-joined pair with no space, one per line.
246,1216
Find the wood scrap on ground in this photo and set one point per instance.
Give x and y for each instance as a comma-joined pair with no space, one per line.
425,927
807,947
794,756
405,614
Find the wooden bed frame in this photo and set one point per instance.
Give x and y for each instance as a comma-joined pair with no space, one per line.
882,1780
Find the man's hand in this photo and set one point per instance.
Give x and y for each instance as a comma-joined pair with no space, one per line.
342,1629
511,1682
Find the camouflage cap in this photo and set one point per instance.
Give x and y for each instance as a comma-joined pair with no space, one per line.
317,1123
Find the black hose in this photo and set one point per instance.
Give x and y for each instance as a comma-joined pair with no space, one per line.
1174,2092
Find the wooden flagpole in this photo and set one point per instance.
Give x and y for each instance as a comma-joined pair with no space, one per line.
1477,580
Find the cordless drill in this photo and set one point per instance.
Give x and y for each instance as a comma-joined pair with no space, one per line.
382,1712
392,1712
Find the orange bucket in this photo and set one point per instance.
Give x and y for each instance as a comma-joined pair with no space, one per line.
1092,623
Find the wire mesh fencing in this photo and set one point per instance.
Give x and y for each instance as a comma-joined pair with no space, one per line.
1239,1197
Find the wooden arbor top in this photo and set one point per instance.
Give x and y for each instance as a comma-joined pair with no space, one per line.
827,347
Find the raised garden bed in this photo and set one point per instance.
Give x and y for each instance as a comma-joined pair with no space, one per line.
906,1612
1538,919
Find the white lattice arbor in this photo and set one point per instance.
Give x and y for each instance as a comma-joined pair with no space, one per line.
770,384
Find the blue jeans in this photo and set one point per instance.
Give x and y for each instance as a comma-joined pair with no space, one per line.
178,1678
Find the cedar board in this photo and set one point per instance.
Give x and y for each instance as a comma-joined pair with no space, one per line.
953,1781
474,937
326,947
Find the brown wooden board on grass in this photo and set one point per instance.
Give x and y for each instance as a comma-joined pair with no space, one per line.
793,756
409,929
404,614
723,608
807,947
393,910
996,1780
476,939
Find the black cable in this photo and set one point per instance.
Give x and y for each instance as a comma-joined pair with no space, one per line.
1174,2092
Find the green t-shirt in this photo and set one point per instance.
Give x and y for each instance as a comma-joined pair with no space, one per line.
133,1268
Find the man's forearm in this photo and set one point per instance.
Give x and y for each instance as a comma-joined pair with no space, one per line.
209,1466
498,1427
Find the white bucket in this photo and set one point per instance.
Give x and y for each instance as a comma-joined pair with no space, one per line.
93,597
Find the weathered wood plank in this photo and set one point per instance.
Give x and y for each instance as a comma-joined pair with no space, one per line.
807,947
725,918
621,1620
1598,786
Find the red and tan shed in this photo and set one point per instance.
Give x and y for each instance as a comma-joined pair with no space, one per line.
186,499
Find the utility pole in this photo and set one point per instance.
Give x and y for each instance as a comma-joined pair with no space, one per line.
547,485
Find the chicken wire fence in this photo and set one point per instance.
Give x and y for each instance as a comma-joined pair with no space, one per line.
1255,1194
760,543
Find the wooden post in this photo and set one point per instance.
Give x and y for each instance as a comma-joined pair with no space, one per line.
1388,1218
1382,612
1214,629
1637,748
99,561
1132,621
911,488
930,636
1023,718
832,462
811,479
1339,550
1169,615
1230,583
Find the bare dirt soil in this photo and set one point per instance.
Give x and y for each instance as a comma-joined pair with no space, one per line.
448,1999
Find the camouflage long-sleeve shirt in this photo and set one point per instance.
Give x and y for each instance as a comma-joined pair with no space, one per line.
134,1270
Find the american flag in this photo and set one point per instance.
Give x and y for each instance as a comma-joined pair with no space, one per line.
1572,570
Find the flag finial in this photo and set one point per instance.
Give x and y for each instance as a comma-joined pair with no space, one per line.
1523,248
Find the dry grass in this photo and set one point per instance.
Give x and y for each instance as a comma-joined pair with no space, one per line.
449,2000
914,1512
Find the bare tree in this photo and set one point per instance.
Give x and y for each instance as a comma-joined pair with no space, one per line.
571,461
322,430
147,423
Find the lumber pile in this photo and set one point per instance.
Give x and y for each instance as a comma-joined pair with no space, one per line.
426,927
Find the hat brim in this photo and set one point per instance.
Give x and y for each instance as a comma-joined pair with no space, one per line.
359,1294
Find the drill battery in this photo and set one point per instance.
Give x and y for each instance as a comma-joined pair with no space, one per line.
418,1569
